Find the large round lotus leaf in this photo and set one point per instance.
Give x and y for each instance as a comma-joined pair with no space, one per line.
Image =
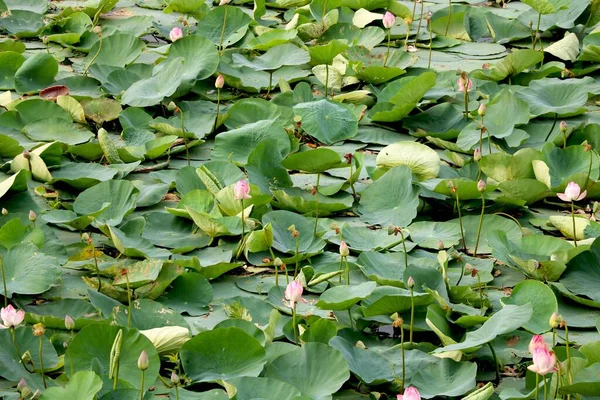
275,58
84,385
282,237
222,354
10,62
200,55
247,111
92,347
316,369
368,365
328,121
211,25
313,161
120,194
392,199
422,160
386,300
249,388
445,378
28,270
344,297
429,234
541,298
10,366
36,73
189,293
165,80
117,50
562,97
582,276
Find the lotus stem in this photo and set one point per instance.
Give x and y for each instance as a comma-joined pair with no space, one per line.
347,271
187,150
341,268
128,298
85,71
552,128
545,389
297,256
414,9
466,101
4,281
91,243
537,30
243,222
294,325
408,26
513,218
430,40
449,17
412,315
276,267
569,374
350,316
270,83
222,32
218,108
587,179
462,232
387,53
403,359
142,385
176,392
351,180
326,80
495,357
420,20
42,361
573,217
404,247
14,338
317,203
480,292
483,128
480,224
537,386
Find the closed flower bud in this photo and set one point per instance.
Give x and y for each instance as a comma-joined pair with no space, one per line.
344,251
277,262
555,320
481,186
32,216
4,211
410,283
175,34
22,384
220,82
389,20
174,378
481,110
563,126
69,323
477,155
143,362
39,329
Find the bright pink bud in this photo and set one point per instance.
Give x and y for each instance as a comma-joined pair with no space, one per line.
344,251
481,185
11,317
32,216
544,362
410,282
464,83
241,190
220,82
176,34
411,393
69,323
572,193
293,293
389,20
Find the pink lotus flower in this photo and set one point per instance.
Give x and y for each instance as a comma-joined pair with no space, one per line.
220,82
241,190
544,362
344,251
537,342
389,20
411,393
293,293
464,83
11,317
572,193
410,282
176,34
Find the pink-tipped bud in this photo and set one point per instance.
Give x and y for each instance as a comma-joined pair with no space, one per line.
411,393
389,20
176,34
563,126
344,251
143,362
481,110
174,378
477,155
32,216
220,82
241,190
481,186
293,293
69,323
410,282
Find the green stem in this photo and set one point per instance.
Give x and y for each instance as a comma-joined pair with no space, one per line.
187,150
537,386
96,265
128,299
408,26
14,338
222,32
480,292
481,135
243,222
569,374
420,20
270,83
404,247
552,128
467,100
351,180
276,267
545,388
489,142
573,217
537,30
4,281
317,203
449,17
351,321
347,271
218,108
297,257
42,363
495,357
430,46
462,232
294,325
142,385
412,315
414,9
403,359
480,224
513,218
587,179
85,71
387,53
176,392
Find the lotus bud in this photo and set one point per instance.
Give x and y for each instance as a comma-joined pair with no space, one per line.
293,293
481,110
174,378
428,16
481,185
391,229
143,362
98,30
440,245
220,82
4,211
69,323
167,339
411,393
563,126
344,251
572,193
398,322
544,362
477,155
224,2
389,20
176,34
241,190
555,320
26,153
171,106
25,392
277,262
32,216
410,282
